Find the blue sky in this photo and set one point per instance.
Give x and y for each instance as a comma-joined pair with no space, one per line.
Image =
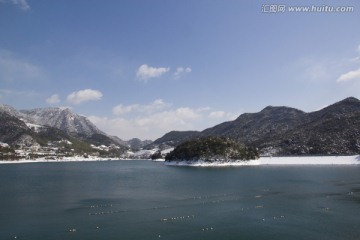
141,68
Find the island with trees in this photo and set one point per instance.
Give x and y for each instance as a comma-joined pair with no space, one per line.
212,149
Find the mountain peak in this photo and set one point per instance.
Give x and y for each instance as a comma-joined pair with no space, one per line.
349,101
67,110
279,109
9,110
349,104
352,99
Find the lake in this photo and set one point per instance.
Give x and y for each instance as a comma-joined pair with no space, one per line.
148,200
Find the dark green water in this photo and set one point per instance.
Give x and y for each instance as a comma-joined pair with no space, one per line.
131,199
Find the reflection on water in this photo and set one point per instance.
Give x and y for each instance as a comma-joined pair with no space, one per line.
145,200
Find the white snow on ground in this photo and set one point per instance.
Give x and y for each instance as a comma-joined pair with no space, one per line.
158,160
4,144
309,160
36,127
213,164
65,159
166,151
312,160
163,153
144,153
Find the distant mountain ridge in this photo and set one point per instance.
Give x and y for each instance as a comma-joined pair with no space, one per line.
173,138
249,127
334,129
288,131
134,143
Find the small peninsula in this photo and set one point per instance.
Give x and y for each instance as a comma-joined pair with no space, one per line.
212,149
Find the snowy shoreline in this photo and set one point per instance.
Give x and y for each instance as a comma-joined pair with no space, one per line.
69,159
289,160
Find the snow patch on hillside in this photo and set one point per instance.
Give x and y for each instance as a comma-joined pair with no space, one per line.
36,127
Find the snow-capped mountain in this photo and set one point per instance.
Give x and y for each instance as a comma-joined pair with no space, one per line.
53,133
74,125
63,119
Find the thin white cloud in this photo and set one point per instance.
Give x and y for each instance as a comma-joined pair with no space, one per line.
354,59
317,71
14,69
150,126
121,109
349,76
53,99
176,119
22,4
5,92
203,109
217,114
17,94
154,106
152,120
187,113
222,115
314,69
123,128
84,96
146,72
181,70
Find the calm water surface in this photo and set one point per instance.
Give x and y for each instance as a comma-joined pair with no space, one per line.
146,200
